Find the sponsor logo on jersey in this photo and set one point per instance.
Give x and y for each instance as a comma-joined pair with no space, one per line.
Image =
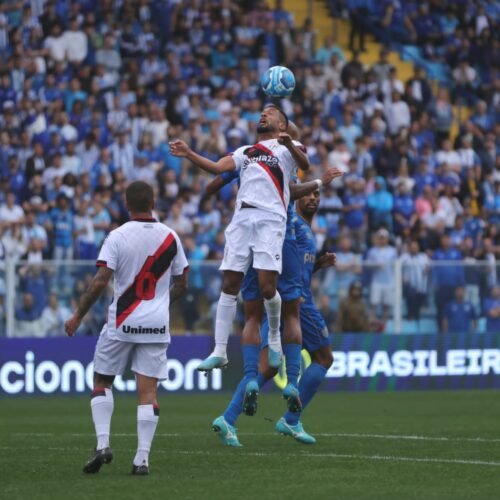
143,330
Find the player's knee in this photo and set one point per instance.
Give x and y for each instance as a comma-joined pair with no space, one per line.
103,381
328,359
268,290
323,357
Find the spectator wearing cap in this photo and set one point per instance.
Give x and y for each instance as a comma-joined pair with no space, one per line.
460,315
352,315
381,259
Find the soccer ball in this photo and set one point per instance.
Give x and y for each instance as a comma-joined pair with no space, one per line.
277,81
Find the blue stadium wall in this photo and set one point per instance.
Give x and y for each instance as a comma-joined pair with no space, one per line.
363,362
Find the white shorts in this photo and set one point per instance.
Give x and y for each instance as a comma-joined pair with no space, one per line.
111,357
256,235
382,294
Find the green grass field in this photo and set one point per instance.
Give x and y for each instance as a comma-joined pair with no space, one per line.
387,445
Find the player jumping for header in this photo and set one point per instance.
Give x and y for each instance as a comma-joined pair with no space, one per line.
143,254
255,235
314,337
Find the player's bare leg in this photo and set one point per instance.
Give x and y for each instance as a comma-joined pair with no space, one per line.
272,302
147,420
292,347
102,410
226,311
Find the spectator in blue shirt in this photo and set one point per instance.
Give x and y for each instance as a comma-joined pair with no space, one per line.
446,277
62,226
355,214
380,205
405,216
459,314
492,311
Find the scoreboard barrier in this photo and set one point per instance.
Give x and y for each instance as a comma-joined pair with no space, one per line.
362,362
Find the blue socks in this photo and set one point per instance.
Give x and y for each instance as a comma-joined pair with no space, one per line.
292,354
308,386
250,360
235,407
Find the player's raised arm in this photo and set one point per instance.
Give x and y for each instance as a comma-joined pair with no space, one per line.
181,149
96,287
219,182
300,190
297,154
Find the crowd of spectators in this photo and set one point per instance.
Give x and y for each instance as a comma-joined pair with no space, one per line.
92,91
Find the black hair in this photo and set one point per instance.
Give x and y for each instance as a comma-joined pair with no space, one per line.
282,113
140,197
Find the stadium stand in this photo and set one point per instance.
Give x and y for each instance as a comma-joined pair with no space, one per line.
92,91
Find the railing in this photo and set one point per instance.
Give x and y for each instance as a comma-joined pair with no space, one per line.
35,299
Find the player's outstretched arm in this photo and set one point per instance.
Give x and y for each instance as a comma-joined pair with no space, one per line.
179,286
298,155
300,190
216,185
98,284
326,260
181,149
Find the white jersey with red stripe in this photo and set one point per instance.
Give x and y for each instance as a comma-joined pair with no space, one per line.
143,254
265,170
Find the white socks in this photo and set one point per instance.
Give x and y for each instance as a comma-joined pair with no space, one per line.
226,311
102,405
273,311
147,420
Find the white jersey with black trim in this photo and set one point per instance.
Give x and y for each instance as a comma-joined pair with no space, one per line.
143,254
265,170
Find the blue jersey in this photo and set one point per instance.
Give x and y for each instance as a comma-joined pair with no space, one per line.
306,244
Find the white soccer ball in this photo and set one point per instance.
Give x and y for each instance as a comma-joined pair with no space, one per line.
278,81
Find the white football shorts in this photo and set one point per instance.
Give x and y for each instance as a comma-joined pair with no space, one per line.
382,294
254,235
111,357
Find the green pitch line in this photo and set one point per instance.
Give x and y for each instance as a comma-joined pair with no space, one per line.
393,445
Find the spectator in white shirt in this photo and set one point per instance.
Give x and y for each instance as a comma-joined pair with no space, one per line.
449,157
11,214
450,205
55,44
76,42
109,56
397,114
181,224
415,279
55,170
54,316
35,237
122,153
382,257
88,152
71,161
